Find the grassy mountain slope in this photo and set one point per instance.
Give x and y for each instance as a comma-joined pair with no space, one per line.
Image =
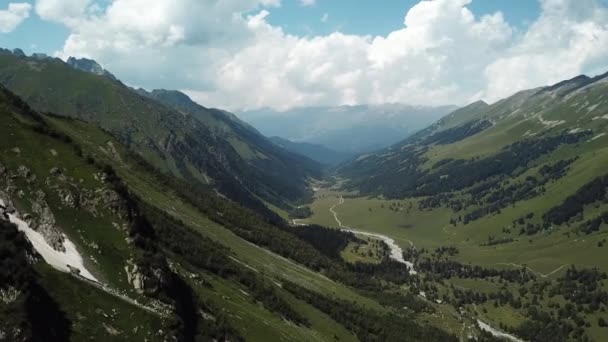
174,261
240,166
516,185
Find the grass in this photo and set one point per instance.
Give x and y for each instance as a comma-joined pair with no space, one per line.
253,320
362,252
94,313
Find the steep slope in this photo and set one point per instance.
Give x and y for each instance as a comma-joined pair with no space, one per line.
350,129
172,141
319,153
169,261
502,208
539,122
246,141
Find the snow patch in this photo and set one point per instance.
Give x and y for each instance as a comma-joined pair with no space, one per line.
592,108
59,260
598,136
550,124
575,130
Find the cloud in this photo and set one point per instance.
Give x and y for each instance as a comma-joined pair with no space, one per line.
569,38
308,2
13,16
68,12
325,17
226,53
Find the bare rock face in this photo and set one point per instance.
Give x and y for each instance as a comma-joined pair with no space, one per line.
67,198
45,222
24,172
9,295
134,276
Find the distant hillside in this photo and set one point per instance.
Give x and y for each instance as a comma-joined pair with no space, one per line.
479,150
209,147
350,129
315,152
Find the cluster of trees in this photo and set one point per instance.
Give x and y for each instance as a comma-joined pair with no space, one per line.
33,315
494,194
369,325
574,205
328,241
492,241
557,170
407,179
582,287
593,225
452,135
447,269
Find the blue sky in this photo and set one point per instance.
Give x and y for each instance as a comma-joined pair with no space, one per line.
361,17
373,17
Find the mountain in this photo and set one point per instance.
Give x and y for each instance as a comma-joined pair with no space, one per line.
207,147
90,66
98,243
349,129
481,140
318,153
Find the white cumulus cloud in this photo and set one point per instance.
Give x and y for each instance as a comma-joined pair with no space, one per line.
14,15
226,53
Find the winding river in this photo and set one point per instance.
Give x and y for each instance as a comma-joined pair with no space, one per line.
397,255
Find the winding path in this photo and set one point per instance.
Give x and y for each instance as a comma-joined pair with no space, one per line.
533,271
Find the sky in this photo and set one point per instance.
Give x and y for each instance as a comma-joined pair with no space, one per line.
251,54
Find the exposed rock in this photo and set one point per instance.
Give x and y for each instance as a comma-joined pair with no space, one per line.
55,171
90,66
102,199
9,295
45,223
2,170
26,173
67,198
74,270
111,330
16,150
19,53
134,277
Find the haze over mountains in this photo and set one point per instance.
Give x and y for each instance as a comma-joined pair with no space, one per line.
346,129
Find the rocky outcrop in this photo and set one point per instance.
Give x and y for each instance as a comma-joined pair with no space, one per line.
134,276
90,66
25,173
9,295
44,222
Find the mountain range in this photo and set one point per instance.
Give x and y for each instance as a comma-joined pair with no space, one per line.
205,146
346,129
136,215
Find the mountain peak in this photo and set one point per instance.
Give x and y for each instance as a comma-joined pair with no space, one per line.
90,66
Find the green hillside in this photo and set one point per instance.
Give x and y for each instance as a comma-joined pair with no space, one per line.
206,147
170,261
494,190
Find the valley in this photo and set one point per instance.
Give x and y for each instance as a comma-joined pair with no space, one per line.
316,204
